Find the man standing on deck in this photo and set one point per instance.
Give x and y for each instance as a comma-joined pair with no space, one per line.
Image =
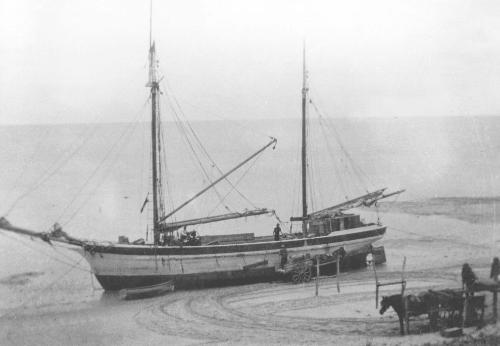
277,231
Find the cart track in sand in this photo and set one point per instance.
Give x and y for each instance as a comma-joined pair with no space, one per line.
271,313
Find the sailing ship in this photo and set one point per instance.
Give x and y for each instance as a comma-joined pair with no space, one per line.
217,260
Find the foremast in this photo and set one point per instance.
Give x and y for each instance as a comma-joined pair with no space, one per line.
159,215
153,84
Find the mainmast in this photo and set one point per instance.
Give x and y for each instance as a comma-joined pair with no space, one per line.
153,84
305,91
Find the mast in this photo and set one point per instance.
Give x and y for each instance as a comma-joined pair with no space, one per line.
153,84
304,143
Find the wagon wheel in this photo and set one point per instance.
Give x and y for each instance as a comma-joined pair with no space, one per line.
434,318
477,311
295,277
307,275
444,319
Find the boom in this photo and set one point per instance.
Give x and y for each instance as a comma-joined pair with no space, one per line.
273,141
172,226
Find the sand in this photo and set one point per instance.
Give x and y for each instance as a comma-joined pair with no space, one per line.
71,312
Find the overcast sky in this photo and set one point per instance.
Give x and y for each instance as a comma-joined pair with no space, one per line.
81,61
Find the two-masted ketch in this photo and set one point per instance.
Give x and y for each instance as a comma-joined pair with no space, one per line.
217,260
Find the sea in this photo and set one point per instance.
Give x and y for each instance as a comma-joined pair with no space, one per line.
94,181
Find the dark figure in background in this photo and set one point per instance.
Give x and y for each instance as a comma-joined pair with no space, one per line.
468,277
495,269
283,256
277,231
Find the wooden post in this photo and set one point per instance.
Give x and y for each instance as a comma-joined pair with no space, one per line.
403,300
317,275
405,307
403,281
495,301
376,286
338,273
466,307
494,275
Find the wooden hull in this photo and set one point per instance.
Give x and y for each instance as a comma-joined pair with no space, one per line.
119,266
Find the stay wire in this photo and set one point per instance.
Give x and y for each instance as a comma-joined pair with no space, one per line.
250,166
30,160
348,169
45,253
59,163
166,173
356,169
98,167
183,130
216,115
124,134
309,168
338,175
202,147
297,182
39,293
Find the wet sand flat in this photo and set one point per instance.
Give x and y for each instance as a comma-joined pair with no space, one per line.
267,313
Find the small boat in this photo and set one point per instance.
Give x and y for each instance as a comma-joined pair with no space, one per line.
146,291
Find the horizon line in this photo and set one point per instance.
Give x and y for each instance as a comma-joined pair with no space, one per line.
259,119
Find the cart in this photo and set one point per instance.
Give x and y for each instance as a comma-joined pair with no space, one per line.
297,270
447,307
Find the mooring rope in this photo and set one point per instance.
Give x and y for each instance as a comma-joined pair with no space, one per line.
44,253
39,293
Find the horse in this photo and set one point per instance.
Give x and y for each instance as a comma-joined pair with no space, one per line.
414,305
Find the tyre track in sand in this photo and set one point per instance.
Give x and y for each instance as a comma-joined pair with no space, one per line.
271,313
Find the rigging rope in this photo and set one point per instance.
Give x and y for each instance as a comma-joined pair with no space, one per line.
39,293
182,129
160,144
237,182
44,253
338,173
309,169
128,130
237,123
202,147
24,169
296,209
362,176
60,162
167,183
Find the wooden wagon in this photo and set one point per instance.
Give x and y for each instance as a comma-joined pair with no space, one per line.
446,308
297,270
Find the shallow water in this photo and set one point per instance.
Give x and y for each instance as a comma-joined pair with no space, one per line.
427,156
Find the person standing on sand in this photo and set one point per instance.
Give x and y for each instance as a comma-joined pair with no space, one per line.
283,256
468,277
495,269
277,231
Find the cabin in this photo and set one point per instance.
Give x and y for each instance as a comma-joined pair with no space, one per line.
317,227
328,224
